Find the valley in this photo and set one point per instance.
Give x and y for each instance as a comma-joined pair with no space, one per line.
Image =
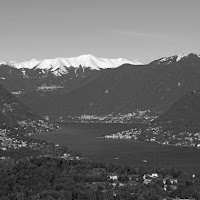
99,100
110,130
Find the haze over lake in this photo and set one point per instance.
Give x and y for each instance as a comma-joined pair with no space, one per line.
84,138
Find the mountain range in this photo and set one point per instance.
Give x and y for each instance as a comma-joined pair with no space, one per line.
59,66
87,85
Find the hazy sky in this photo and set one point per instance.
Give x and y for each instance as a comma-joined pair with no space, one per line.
142,29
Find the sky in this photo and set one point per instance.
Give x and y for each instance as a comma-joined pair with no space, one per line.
134,29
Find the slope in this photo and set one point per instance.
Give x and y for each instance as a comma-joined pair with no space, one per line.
184,115
15,116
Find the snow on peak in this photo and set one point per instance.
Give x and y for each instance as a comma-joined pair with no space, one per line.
59,65
2,63
179,57
176,58
197,54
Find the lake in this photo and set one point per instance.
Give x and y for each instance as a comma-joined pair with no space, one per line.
83,138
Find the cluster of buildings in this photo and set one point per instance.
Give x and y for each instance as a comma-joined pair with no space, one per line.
36,127
7,142
168,183
159,135
127,134
46,88
137,116
68,156
175,138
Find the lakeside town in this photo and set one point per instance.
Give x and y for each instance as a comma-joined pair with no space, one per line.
138,116
160,136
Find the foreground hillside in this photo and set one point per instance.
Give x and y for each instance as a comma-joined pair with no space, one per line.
51,178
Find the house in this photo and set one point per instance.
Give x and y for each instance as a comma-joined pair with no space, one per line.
154,175
171,179
147,181
113,177
150,176
114,184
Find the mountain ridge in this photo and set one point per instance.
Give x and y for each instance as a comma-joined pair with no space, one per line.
174,58
59,66
118,91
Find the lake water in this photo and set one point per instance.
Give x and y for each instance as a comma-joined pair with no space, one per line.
83,138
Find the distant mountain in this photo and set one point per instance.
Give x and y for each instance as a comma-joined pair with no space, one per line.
192,57
31,80
59,66
15,116
94,89
129,88
53,74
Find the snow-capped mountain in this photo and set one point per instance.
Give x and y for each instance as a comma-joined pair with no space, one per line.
2,63
176,58
96,86
59,66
